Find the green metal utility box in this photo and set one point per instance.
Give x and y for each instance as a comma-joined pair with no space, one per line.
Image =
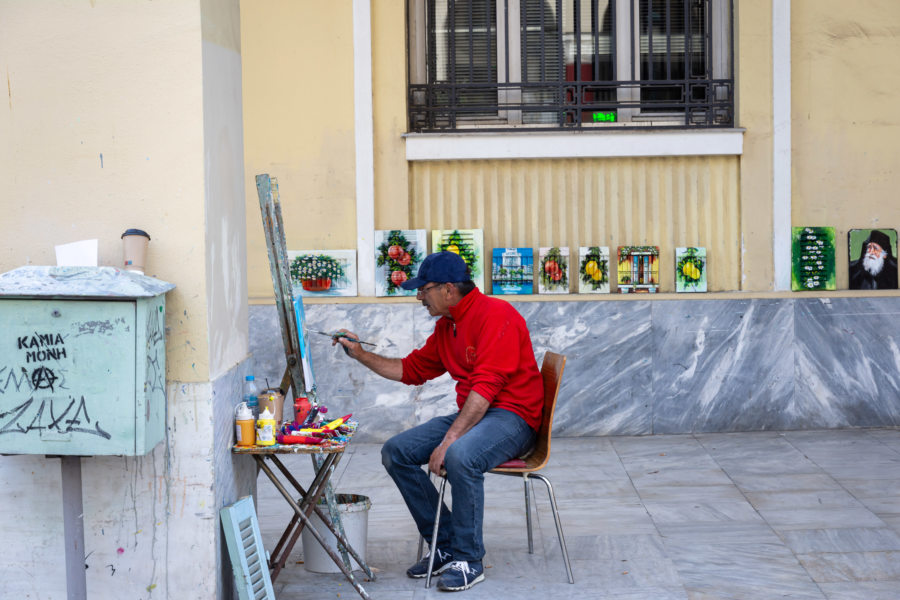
82,361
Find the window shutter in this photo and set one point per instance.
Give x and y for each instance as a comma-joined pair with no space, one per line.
245,548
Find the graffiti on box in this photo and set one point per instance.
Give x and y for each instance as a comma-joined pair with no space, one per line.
40,354
155,366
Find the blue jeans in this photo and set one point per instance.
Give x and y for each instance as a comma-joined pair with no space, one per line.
499,436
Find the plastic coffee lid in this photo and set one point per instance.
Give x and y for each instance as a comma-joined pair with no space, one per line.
136,232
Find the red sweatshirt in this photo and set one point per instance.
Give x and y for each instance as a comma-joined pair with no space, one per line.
486,348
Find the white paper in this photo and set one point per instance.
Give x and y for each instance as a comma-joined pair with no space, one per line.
77,254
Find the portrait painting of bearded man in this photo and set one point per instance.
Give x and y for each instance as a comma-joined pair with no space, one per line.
873,259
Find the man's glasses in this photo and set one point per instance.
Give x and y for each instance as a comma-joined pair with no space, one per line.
422,290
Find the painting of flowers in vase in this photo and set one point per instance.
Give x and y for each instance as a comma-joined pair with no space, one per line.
593,270
553,273
638,269
323,272
690,269
398,254
468,243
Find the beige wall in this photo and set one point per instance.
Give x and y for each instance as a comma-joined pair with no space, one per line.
753,66
666,202
298,125
102,130
389,109
846,87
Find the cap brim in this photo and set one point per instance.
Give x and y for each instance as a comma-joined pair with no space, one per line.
413,284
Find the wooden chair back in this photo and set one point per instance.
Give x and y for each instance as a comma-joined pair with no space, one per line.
551,372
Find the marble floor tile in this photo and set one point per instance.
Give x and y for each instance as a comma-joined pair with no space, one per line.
701,511
776,482
852,566
787,519
837,498
742,570
703,534
807,541
674,475
861,590
687,491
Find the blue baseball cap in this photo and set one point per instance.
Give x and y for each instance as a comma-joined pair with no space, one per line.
440,267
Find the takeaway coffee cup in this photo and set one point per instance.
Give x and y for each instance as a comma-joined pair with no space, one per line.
134,249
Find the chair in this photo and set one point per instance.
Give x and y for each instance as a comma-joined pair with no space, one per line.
551,371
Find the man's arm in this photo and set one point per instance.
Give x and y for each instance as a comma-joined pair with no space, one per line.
472,411
389,368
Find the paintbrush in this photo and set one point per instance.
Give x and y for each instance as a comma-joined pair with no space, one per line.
339,335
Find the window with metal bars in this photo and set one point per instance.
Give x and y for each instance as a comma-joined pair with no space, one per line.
570,64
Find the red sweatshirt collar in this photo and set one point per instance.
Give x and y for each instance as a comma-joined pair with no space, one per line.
458,311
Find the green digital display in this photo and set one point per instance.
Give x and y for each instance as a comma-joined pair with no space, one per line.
604,117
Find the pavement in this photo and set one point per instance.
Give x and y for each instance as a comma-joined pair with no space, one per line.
763,515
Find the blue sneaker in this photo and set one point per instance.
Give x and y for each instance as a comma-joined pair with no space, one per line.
461,575
420,569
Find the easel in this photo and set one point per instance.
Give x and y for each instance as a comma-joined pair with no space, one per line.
270,207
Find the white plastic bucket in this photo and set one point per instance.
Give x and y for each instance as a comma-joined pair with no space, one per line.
354,511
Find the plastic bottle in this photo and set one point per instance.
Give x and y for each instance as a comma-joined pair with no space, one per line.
266,428
301,409
244,432
251,395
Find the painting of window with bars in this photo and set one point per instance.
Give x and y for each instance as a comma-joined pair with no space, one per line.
638,269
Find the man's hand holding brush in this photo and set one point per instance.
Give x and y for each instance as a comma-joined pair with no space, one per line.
391,368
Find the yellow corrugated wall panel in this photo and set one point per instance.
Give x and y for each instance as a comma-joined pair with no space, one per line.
666,202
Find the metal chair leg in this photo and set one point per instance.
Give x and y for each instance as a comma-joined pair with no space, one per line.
434,535
528,513
421,548
559,532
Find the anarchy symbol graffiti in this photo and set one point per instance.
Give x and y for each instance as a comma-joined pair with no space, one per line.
43,378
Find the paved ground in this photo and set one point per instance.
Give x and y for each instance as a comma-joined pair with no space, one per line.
810,515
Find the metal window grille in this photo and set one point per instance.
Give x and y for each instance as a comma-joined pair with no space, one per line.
574,64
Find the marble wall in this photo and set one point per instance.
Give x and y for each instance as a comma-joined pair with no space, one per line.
638,367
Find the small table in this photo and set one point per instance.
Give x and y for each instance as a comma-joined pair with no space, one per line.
325,458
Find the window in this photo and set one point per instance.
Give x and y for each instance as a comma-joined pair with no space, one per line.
570,64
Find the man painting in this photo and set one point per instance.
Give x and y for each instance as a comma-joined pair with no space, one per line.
485,346
876,267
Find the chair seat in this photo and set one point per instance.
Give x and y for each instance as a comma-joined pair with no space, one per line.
516,463
518,466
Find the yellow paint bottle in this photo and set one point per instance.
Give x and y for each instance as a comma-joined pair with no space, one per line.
243,425
266,427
